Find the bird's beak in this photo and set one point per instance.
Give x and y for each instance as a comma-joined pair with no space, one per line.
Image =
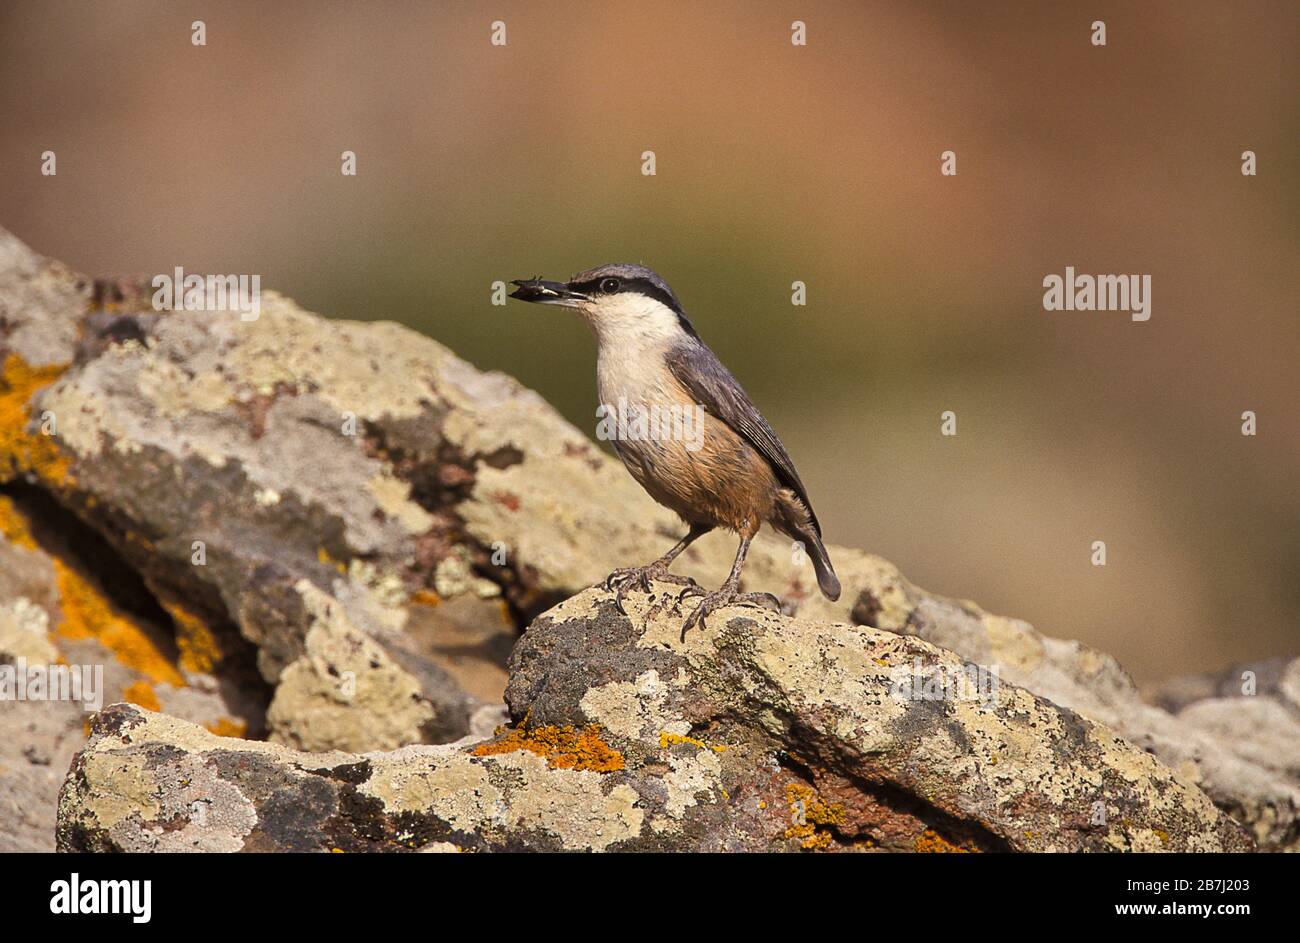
547,293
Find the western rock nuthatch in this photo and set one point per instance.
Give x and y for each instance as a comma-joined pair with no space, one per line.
736,474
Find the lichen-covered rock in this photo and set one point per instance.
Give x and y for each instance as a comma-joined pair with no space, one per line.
760,732
345,692
1240,749
246,473
57,613
346,526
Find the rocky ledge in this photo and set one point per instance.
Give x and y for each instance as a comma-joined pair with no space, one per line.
304,549
759,732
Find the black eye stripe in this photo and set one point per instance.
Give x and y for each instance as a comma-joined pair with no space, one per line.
642,286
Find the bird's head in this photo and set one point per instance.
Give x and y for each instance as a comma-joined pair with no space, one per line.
621,299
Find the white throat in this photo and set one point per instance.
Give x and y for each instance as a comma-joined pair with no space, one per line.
631,322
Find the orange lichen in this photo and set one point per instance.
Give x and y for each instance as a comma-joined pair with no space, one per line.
87,610
667,739
816,841
812,817
200,650
142,694
564,747
426,597
931,842
13,526
89,613
225,727
324,557
23,452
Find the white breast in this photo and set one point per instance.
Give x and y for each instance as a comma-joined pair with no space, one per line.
634,338
639,377
634,334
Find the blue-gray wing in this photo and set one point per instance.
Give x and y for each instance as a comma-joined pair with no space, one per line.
712,385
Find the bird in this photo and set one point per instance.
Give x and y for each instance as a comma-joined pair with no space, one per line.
732,472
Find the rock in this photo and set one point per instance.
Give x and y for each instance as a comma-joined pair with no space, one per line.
1277,679
1241,752
345,692
39,740
55,610
332,532
1240,728
760,732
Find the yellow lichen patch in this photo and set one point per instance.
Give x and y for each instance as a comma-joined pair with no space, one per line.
142,694
23,452
200,650
812,816
225,727
816,841
89,613
564,747
13,526
931,842
425,597
324,557
667,739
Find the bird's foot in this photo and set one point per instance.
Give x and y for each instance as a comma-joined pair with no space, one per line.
721,598
641,576
695,589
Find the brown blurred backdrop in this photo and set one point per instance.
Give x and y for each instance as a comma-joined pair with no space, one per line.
775,163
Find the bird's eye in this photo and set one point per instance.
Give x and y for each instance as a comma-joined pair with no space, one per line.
610,285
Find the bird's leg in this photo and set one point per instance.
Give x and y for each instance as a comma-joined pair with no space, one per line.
641,576
727,594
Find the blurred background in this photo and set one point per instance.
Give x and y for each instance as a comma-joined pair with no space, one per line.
775,163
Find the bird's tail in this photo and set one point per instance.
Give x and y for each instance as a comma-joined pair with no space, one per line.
795,521
826,578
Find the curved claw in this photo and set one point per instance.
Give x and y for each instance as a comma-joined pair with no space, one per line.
695,589
623,579
691,621
726,596
618,577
